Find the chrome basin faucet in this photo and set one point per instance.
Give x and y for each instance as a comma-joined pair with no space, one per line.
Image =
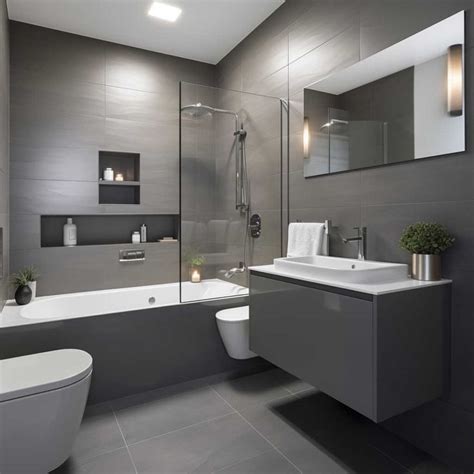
361,239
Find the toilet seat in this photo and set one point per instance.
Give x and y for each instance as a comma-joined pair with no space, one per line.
37,373
233,315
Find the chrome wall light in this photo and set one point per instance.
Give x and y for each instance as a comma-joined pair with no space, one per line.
455,80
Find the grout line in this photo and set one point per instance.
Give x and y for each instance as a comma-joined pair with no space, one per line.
182,428
242,460
255,429
125,442
389,457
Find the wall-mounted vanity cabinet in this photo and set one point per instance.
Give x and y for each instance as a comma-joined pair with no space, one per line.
379,354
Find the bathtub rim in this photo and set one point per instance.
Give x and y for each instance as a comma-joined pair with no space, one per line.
11,317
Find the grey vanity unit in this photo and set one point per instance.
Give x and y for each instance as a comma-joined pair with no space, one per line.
380,354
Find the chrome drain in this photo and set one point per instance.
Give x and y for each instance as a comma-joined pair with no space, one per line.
152,300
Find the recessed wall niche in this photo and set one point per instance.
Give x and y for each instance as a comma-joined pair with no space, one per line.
125,167
109,229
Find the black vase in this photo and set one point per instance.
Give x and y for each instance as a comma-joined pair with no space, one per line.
23,295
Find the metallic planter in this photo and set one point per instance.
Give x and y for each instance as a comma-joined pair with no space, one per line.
426,267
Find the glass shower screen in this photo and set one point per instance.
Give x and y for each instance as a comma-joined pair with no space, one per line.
230,169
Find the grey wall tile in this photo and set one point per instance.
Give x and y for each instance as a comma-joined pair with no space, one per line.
53,197
319,24
386,23
25,231
69,96
50,128
53,54
54,163
435,179
337,53
129,104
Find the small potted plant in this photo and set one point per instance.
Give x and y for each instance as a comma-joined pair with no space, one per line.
23,292
32,274
426,241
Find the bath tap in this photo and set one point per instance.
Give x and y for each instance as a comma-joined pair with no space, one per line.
361,240
240,269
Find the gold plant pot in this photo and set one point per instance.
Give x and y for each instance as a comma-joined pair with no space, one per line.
426,267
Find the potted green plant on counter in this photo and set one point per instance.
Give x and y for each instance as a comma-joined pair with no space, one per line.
23,292
426,241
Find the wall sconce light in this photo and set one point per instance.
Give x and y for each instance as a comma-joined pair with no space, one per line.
455,80
306,138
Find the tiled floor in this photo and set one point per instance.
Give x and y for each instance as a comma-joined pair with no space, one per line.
264,423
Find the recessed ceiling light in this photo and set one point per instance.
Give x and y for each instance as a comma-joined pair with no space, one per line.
164,11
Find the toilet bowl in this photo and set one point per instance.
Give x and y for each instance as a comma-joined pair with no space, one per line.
42,401
233,325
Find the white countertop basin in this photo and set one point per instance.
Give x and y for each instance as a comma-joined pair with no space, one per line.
343,270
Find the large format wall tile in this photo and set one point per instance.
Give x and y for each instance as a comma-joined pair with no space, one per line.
54,163
53,54
53,197
319,24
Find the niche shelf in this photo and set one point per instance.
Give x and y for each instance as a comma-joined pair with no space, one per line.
109,229
120,192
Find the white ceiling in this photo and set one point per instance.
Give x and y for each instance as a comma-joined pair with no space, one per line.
206,30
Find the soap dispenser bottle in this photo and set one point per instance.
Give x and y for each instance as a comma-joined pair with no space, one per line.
70,233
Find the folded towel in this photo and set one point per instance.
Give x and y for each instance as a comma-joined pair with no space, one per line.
306,238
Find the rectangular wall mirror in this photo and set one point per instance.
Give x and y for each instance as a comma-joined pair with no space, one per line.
403,103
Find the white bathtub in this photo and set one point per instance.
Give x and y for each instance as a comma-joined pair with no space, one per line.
91,303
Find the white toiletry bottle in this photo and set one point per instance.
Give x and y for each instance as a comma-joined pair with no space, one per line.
108,174
136,237
69,233
143,233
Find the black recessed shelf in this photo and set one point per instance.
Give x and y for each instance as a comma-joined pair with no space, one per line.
119,192
109,229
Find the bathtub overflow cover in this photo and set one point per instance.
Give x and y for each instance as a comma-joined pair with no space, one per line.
152,300
353,266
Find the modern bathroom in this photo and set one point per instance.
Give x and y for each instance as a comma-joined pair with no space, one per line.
236,236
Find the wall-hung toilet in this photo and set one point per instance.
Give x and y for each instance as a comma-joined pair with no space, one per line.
42,401
233,325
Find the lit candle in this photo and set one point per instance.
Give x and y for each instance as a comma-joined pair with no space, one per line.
119,177
195,276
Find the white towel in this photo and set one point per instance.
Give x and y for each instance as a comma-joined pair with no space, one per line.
306,238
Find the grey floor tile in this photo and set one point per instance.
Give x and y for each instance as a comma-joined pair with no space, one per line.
99,434
161,411
296,385
266,463
320,435
204,448
254,389
117,462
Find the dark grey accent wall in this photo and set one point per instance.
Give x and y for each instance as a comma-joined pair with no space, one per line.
306,40
4,152
72,96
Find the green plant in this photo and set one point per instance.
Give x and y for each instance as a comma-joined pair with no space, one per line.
24,276
19,279
31,273
193,258
426,238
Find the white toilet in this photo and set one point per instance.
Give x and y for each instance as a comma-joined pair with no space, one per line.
233,327
42,401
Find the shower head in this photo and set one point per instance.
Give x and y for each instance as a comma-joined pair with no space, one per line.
334,122
198,110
